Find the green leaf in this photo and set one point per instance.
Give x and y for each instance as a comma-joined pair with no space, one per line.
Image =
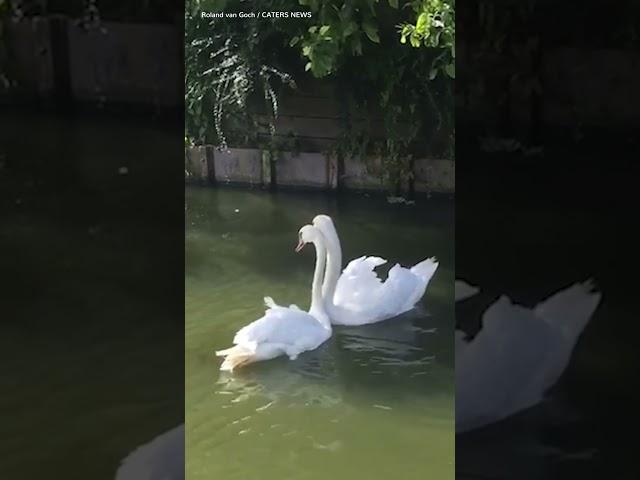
393,3
307,67
294,41
421,24
415,41
349,29
433,73
324,29
371,31
450,70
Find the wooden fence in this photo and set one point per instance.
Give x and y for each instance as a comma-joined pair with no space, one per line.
143,64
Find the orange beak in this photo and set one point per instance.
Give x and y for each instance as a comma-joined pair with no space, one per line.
300,246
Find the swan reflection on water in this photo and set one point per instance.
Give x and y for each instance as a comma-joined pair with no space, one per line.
505,419
518,354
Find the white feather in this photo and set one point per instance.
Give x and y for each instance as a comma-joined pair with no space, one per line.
517,355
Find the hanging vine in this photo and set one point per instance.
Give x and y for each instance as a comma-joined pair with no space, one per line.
385,59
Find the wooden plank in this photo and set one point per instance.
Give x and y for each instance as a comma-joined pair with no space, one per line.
126,63
597,86
324,128
291,104
30,46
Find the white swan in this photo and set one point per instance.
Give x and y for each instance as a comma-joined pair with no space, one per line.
518,354
285,330
358,296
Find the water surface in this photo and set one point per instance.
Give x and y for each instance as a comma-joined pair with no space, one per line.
372,402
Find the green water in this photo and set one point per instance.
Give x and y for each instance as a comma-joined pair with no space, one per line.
373,402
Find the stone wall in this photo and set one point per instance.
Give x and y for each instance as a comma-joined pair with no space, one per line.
252,167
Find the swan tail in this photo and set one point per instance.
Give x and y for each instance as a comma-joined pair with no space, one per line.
224,353
570,309
235,357
425,269
269,302
416,282
463,290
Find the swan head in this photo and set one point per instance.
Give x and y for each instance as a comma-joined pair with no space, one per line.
307,234
323,222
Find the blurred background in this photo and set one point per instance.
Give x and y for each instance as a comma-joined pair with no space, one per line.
92,208
546,160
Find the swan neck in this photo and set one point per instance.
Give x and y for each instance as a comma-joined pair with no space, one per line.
317,304
334,266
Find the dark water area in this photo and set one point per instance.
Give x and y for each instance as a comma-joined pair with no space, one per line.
91,319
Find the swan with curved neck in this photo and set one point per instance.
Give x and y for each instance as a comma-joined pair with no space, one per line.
358,296
311,234
285,330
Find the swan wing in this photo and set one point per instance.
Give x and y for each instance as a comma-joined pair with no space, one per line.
279,325
423,273
570,309
567,313
362,292
518,354
359,283
503,369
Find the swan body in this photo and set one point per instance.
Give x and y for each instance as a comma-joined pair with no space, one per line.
358,296
518,354
284,330
281,331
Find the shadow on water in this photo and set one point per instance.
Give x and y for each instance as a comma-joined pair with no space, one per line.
90,316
